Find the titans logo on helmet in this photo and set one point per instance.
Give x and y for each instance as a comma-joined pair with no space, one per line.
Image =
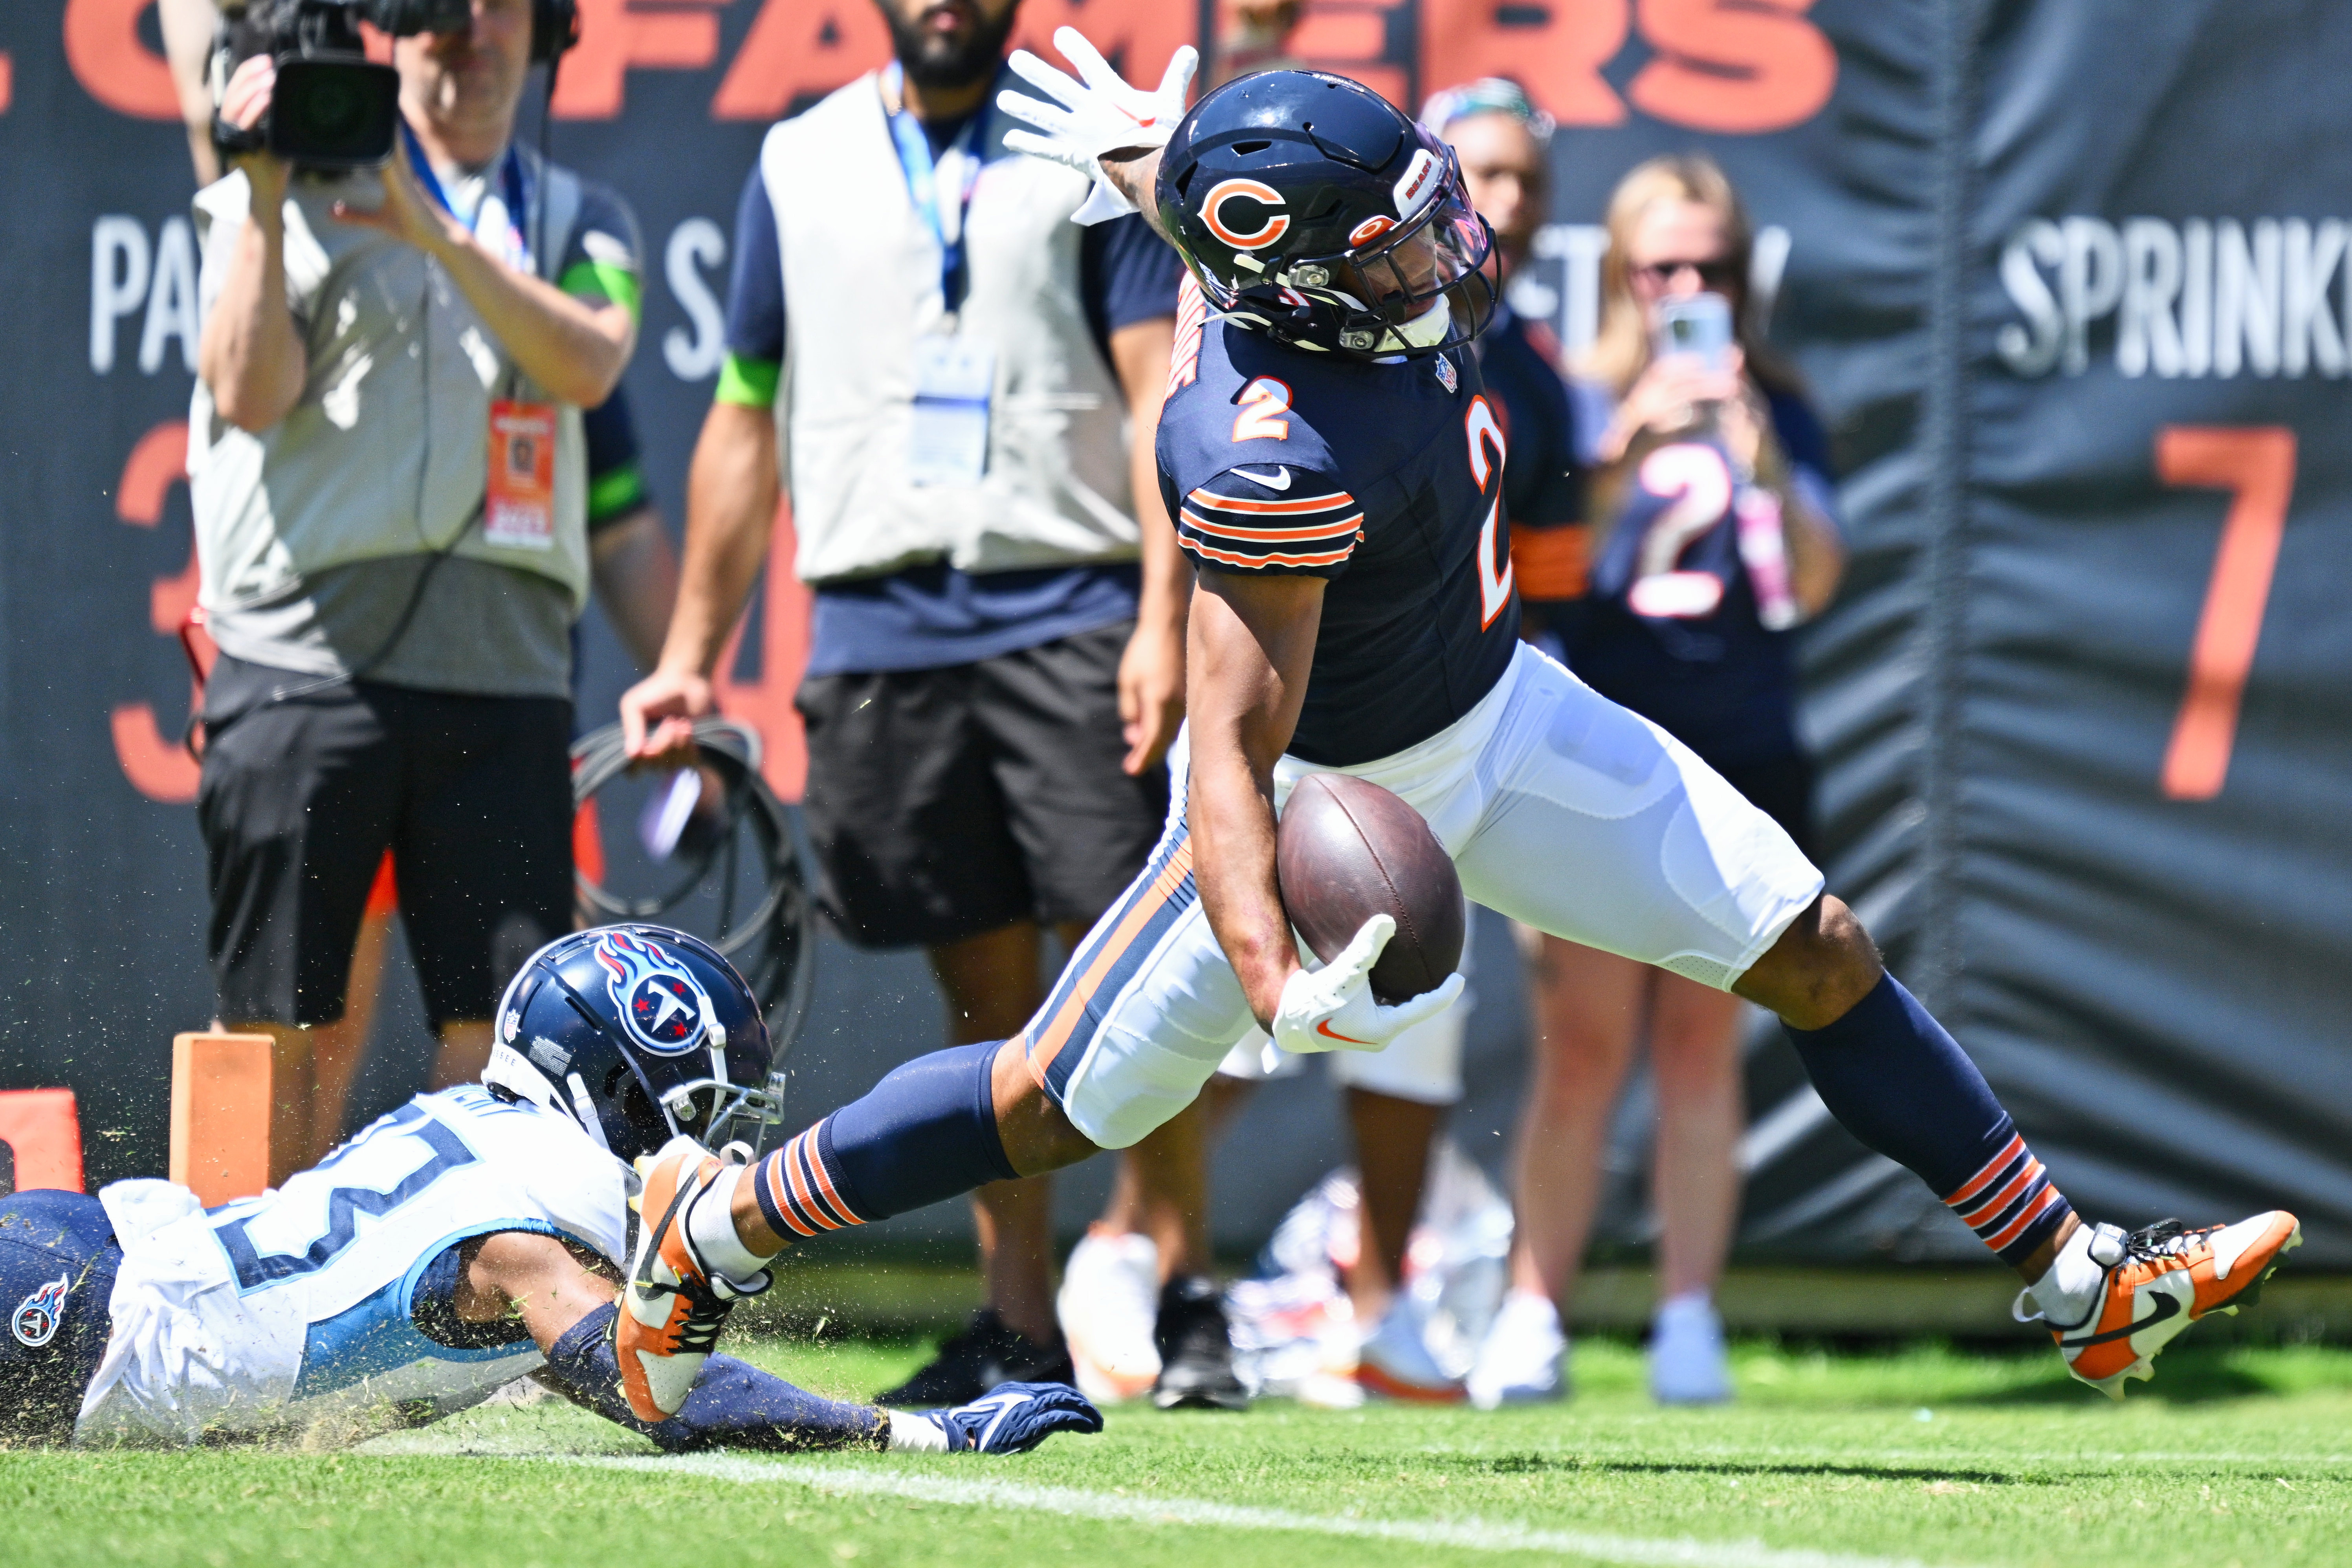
38,1316
658,999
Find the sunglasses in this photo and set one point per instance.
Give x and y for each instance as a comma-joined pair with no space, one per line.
1716,274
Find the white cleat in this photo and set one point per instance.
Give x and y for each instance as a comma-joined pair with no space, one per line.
1523,1358
1395,1362
1108,1304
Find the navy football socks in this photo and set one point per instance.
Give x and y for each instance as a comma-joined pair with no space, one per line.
1897,1082
926,1133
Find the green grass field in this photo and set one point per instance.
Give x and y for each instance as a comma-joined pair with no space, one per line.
2237,1455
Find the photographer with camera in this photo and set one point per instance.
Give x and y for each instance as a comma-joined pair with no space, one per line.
388,468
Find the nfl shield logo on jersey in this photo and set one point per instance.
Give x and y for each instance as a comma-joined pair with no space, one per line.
656,997
38,1316
1445,376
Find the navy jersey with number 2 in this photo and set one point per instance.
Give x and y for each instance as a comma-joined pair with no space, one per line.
1386,479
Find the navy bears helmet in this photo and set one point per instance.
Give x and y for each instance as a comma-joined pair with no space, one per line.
1311,208
638,1033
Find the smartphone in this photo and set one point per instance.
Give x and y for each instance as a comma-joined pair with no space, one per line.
1698,325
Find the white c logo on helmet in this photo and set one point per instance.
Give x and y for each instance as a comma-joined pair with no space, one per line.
1256,191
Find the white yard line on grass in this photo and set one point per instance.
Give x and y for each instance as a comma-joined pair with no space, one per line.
1466,1535
1600,1452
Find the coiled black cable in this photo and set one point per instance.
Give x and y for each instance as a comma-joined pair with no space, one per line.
773,945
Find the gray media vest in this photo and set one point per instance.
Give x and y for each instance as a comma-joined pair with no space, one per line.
861,282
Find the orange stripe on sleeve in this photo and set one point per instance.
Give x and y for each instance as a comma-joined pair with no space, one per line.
1230,558
1217,503
1551,563
1332,530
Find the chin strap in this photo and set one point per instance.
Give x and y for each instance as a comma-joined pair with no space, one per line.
1429,328
586,1110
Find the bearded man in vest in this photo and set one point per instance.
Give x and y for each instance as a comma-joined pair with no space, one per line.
961,387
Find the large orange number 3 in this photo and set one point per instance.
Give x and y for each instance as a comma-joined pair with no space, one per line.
2257,465
1480,425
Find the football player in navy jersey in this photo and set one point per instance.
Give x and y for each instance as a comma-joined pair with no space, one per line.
1336,472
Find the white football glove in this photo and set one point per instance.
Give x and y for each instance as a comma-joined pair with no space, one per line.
1100,114
1331,1009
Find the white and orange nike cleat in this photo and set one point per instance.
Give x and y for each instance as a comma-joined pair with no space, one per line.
2158,1280
1395,1362
1109,1305
674,1305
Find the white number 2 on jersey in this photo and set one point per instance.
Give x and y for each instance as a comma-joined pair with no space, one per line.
1480,425
1693,478
1261,402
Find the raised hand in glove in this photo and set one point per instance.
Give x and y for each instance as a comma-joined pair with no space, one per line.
1332,1008
1081,118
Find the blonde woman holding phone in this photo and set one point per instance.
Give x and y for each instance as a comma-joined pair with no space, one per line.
1715,537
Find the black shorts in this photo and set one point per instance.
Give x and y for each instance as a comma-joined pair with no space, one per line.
948,802
300,798
1782,789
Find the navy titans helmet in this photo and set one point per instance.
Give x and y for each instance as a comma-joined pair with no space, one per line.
1311,208
638,1033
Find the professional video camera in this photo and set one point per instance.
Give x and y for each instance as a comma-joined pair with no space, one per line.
333,108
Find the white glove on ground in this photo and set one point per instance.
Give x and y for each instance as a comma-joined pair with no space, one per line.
1332,1008
1099,114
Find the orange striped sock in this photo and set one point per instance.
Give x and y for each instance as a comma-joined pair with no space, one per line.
2009,1201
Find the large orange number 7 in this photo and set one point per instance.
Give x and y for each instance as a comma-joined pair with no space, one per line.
2257,465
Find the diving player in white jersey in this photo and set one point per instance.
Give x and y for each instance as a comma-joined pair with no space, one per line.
1336,472
469,1238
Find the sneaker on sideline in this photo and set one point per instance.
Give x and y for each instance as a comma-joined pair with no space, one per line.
970,1363
1523,1360
1196,1349
1688,1363
1108,1304
1394,1361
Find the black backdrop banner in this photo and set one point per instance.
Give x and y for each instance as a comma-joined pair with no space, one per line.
2069,280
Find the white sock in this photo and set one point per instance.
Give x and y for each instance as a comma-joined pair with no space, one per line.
2068,1291
1521,1301
710,1229
1690,1303
916,1434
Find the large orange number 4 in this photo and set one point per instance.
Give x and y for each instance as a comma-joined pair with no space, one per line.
2257,465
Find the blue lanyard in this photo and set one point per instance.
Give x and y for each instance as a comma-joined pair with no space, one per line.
922,183
514,191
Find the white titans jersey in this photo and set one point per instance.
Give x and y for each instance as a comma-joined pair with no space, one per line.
294,1307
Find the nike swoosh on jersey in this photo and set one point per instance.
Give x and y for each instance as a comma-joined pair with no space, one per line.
1327,1032
2165,1307
1281,480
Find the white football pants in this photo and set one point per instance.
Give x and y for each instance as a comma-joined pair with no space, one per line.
1560,810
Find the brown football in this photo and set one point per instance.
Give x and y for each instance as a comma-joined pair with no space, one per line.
1347,850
